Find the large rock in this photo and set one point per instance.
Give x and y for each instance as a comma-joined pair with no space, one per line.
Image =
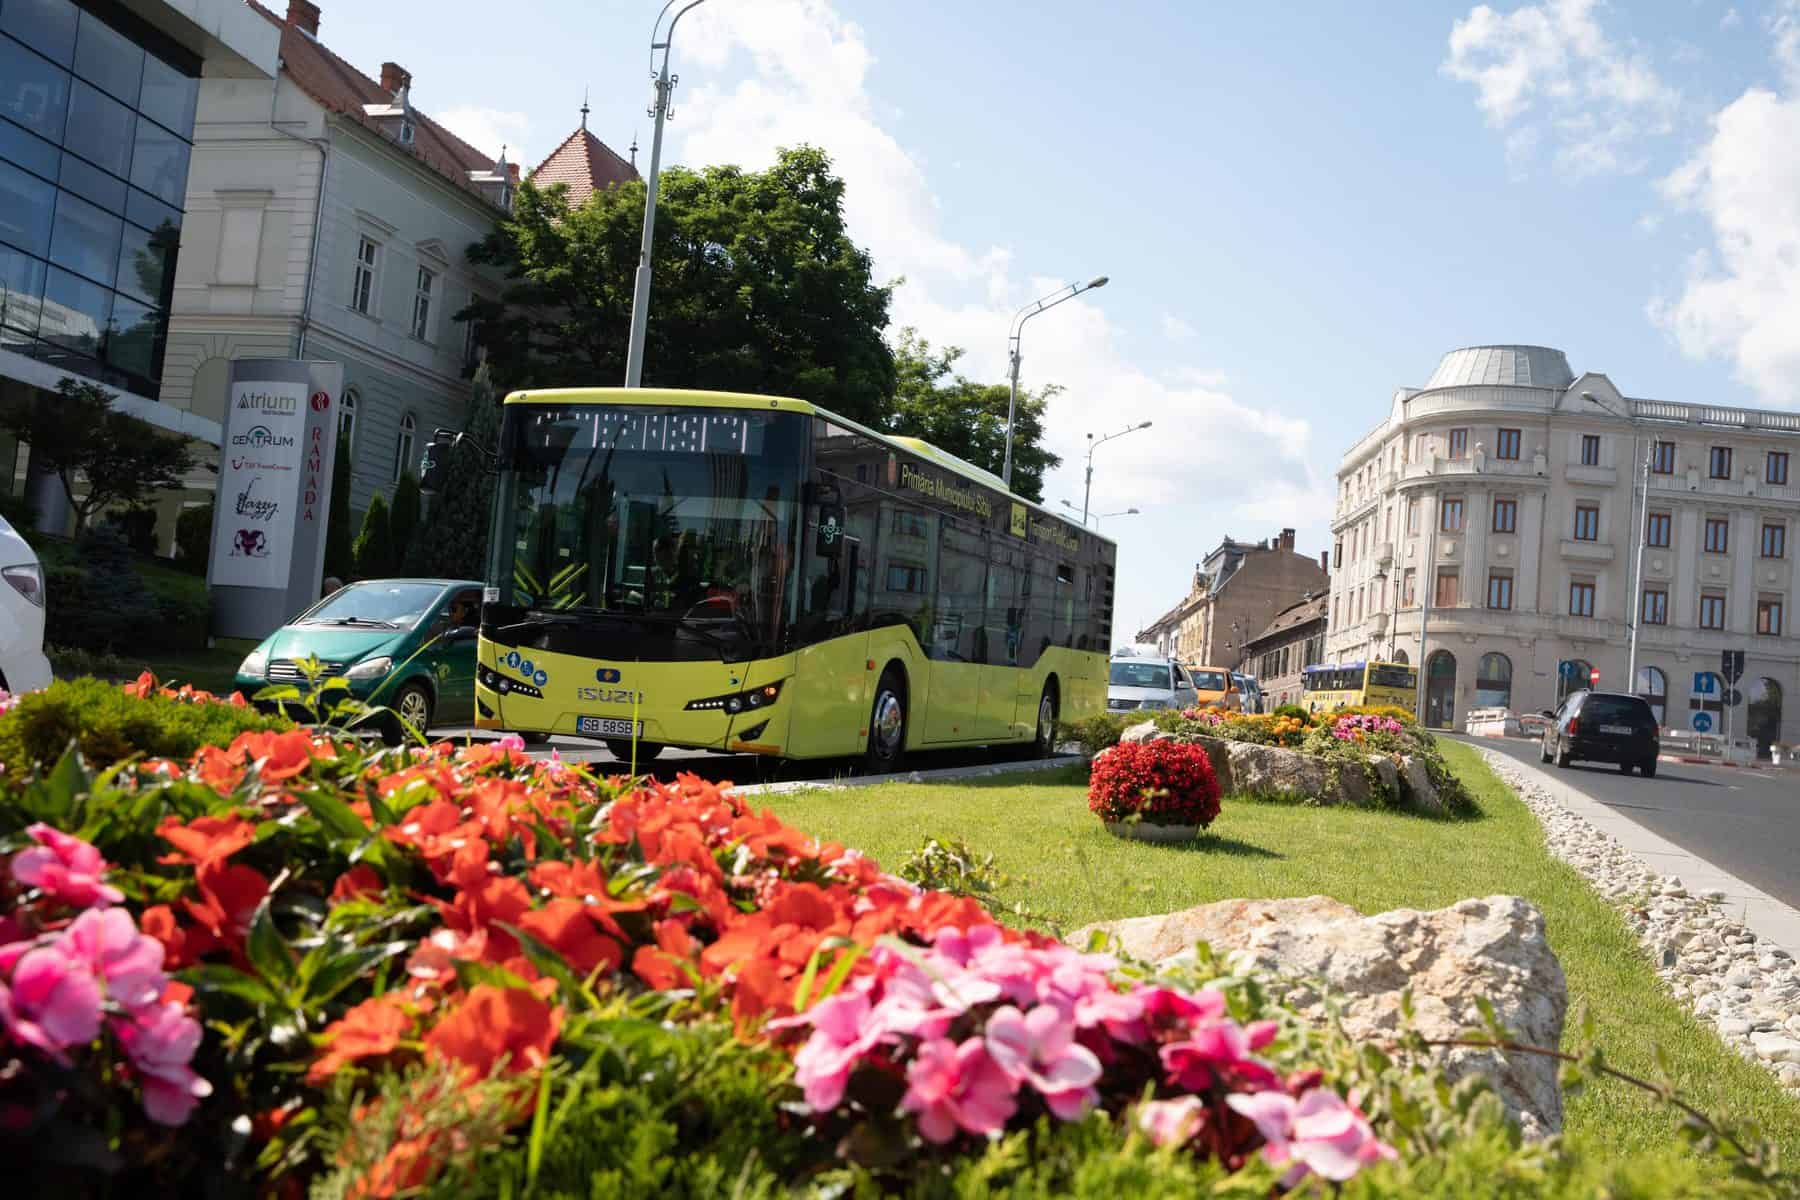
1416,788
1145,732
1493,948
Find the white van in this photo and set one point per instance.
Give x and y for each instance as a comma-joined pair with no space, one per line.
23,667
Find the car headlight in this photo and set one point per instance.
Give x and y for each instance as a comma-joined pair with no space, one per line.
370,668
255,663
28,580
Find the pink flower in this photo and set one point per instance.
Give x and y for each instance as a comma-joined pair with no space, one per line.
1219,1049
1172,1122
843,1033
108,943
1319,1133
160,1042
54,1002
1121,1014
1039,1048
954,1087
64,867
510,741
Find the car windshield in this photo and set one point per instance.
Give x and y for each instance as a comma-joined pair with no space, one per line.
1209,681
671,524
394,604
1140,675
1618,710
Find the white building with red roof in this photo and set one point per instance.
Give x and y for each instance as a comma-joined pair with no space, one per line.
327,218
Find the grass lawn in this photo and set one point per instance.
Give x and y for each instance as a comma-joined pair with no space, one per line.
1072,871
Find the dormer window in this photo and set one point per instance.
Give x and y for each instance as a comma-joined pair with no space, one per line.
406,130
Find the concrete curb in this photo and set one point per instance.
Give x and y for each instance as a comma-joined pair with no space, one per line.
937,775
1770,919
1695,760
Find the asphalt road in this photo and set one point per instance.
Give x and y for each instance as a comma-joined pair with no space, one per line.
1746,822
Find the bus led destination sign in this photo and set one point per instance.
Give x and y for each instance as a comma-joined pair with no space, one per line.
939,488
1054,533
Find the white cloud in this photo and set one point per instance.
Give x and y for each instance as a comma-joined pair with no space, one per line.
488,129
762,74
1175,329
1731,20
1550,69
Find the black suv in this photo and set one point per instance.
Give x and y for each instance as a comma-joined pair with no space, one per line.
1603,727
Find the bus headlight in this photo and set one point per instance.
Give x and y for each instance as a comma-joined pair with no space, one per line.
737,702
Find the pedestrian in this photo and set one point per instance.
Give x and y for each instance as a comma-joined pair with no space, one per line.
332,584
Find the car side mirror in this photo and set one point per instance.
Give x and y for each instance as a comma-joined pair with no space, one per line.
462,633
1544,712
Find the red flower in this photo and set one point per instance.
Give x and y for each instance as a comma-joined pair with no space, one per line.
206,839
228,899
662,966
358,882
1168,783
567,927
372,1029
282,755
497,1025
158,921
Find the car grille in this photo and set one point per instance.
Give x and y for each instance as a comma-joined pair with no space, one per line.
1121,705
288,670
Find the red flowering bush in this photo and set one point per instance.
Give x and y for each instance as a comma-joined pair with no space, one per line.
1164,783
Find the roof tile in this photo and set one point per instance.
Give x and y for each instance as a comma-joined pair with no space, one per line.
586,164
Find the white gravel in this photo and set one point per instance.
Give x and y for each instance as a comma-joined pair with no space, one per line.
1747,989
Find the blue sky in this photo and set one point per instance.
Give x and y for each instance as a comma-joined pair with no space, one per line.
1300,206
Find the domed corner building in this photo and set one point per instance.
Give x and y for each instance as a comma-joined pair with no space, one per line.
1498,508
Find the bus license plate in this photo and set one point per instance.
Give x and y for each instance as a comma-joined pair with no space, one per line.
609,726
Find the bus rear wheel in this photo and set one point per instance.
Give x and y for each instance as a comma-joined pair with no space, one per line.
646,751
1043,745
887,725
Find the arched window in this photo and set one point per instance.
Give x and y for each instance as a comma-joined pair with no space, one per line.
1400,657
1653,686
1493,681
1762,719
1440,690
347,415
403,448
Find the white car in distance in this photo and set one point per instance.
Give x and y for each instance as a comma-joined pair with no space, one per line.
23,667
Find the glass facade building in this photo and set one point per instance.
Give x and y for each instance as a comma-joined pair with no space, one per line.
96,130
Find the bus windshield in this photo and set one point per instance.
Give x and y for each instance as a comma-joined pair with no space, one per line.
666,532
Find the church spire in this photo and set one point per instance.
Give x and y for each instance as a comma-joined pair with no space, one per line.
584,109
634,149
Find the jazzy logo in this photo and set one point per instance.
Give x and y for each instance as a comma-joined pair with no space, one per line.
261,437
252,507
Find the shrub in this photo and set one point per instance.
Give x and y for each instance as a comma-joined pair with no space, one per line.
108,725
100,601
1391,711
1291,710
1095,733
374,549
1164,783
71,663
193,537
340,556
403,516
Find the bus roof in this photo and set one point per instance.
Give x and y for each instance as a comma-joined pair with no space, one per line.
697,399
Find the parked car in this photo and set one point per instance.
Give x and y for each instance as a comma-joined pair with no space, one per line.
23,667
404,644
1602,727
1134,683
1250,692
1216,687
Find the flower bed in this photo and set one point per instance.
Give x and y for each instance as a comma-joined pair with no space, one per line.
1160,783
294,962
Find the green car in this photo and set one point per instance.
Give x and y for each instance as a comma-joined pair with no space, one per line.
404,644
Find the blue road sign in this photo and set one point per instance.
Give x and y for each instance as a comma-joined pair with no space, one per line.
1705,684
1702,722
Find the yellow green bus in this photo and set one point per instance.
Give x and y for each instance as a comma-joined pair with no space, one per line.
1345,684
750,574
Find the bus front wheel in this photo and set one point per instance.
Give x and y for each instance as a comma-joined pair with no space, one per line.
887,725
646,751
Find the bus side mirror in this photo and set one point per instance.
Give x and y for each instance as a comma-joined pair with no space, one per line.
829,540
436,461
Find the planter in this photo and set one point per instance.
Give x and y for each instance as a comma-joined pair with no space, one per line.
1145,831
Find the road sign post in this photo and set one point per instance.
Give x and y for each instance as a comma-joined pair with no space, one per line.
1731,668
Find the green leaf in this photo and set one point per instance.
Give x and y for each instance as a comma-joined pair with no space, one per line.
803,989
335,815
219,980
266,949
279,692
332,973
534,1154
840,970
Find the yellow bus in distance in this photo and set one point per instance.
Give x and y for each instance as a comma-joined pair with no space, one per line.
1345,685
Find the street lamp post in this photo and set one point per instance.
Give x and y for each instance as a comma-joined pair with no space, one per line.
1099,517
1067,292
1634,608
1094,443
640,290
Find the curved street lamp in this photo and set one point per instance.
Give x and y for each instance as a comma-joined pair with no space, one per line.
1094,444
1099,517
1067,292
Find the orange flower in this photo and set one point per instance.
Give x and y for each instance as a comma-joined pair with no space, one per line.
567,927
370,1030
358,882
662,966
158,921
141,687
497,1025
282,755
206,839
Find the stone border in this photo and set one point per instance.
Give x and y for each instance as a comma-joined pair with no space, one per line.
1746,987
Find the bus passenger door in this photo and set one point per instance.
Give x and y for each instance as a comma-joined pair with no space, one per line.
831,676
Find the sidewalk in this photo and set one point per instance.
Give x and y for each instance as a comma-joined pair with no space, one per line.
1767,917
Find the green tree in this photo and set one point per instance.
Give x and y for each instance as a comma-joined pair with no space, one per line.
403,517
80,438
966,418
340,555
375,543
758,288
452,542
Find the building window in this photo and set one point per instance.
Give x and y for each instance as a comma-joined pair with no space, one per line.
1493,681
347,417
1653,686
1662,458
909,524
1587,523
1775,470
421,318
471,352
1451,518
1768,617
1507,444
1774,541
1412,516
1581,598
1590,449
1656,529
904,578
1337,553
1449,591
1655,609
1500,590
1459,443
403,446
1718,535
1721,462
1506,515
362,286
1409,589
1712,610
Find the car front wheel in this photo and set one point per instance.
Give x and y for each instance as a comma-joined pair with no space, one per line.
411,713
